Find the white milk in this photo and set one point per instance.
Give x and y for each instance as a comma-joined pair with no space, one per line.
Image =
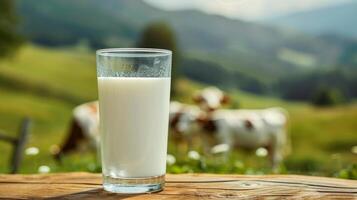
134,125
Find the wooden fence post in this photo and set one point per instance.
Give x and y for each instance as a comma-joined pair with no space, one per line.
19,145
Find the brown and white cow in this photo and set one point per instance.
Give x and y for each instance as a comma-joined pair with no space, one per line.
183,116
84,129
183,124
251,129
210,99
84,126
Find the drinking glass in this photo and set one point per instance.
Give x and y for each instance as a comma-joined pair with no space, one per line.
134,95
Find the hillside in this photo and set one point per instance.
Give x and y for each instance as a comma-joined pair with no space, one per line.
329,132
44,85
255,50
66,75
338,19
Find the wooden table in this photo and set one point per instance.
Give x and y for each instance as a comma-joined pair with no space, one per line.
185,186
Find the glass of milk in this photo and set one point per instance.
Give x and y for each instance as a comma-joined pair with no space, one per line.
134,95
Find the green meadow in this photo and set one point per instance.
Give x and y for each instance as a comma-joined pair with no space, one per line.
46,84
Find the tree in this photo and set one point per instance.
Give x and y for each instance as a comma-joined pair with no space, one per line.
325,96
9,37
160,35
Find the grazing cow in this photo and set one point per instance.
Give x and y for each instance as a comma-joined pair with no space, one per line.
182,122
182,116
84,128
210,99
249,129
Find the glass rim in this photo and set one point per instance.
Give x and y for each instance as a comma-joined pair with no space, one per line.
133,52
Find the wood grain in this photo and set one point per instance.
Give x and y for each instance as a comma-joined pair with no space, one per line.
184,186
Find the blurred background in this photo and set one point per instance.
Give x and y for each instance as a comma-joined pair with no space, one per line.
298,55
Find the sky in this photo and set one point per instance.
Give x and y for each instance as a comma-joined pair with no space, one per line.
246,9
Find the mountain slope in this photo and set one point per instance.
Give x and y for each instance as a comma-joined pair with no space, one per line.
339,19
229,40
255,50
57,22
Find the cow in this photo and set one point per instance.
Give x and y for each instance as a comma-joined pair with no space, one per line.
84,129
182,123
210,99
84,126
182,116
244,128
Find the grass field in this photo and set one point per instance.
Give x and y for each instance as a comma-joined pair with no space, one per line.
45,84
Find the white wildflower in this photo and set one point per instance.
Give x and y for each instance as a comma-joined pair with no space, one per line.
194,155
31,151
170,159
43,169
220,148
261,152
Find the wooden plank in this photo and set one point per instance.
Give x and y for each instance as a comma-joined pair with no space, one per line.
184,186
7,138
